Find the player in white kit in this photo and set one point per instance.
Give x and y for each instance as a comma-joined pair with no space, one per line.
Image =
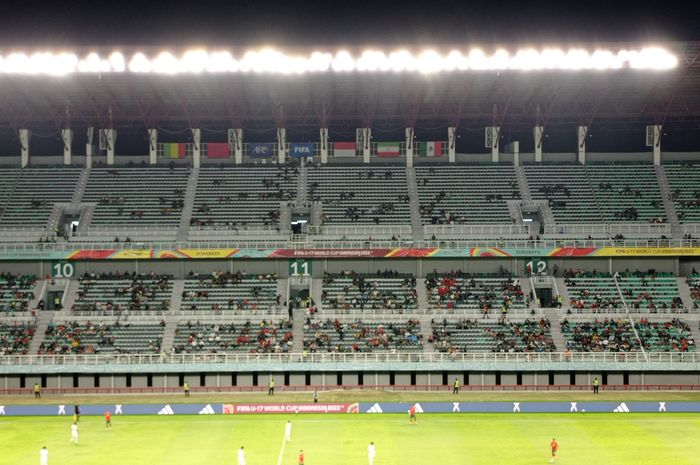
288,431
241,456
371,453
44,454
74,433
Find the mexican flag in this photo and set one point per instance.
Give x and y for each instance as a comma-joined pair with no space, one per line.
431,149
388,149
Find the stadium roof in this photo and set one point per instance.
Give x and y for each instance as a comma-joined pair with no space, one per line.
621,98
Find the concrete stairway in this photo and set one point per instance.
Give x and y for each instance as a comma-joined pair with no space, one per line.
522,183
414,204
298,331
316,288
184,228
302,182
282,289
80,187
166,345
676,229
554,315
426,330
54,219
70,294
684,292
176,296
86,212
42,323
564,292
39,293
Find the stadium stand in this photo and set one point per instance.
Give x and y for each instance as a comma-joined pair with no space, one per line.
627,192
28,195
361,336
382,290
665,336
15,337
467,335
152,196
16,292
694,285
684,184
600,336
359,194
463,194
72,337
568,190
484,292
242,197
256,337
123,292
592,290
650,291
230,291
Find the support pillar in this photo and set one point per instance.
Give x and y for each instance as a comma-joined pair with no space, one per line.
111,141
323,146
654,141
538,134
582,131
196,147
451,144
492,142
25,136
366,143
409,147
235,141
153,146
514,148
89,147
281,145
67,136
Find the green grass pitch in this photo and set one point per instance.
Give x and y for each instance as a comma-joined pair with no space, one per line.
440,439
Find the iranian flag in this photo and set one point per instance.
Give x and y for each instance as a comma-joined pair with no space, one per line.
388,149
431,149
344,149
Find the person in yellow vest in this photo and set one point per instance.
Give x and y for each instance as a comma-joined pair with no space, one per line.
271,387
37,391
596,383
186,387
455,386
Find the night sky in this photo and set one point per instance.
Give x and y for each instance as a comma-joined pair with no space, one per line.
24,24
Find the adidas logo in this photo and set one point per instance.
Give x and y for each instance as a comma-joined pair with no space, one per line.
419,409
167,410
208,410
375,409
622,408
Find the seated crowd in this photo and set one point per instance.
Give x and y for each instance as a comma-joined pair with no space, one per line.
666,336
600,336
467,335
119,292
15,338
262,337
231,291
16,292
94,338
358,336
457,289
381,290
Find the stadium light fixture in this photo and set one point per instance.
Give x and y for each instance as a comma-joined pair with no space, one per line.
273,61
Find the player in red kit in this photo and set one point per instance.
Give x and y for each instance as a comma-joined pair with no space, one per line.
412,414
108,420
555,449
301,457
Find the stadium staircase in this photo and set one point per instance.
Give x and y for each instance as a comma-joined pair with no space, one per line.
70,294
42,324
54,219
298,332
80,187
522,184
564,292
302,183
166,344
86,212
414,205
176,296
39,293
316,289
676,229
184,228
684,292
553,315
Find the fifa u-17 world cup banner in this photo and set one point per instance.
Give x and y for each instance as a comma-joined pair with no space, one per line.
300,150
229,409
344,149
260,150
388,149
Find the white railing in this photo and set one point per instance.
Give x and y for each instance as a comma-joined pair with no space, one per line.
477,229
608,230
691,228
361,230
668,358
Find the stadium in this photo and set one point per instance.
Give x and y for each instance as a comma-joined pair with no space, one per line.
212,244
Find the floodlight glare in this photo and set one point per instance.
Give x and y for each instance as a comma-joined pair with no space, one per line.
272,61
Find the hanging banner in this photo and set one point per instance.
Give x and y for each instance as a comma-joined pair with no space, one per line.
300,150
260,150
344,149
388,149
431,149
218,150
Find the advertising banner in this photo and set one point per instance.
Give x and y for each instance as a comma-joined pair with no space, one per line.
260,150
229,409
300,150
